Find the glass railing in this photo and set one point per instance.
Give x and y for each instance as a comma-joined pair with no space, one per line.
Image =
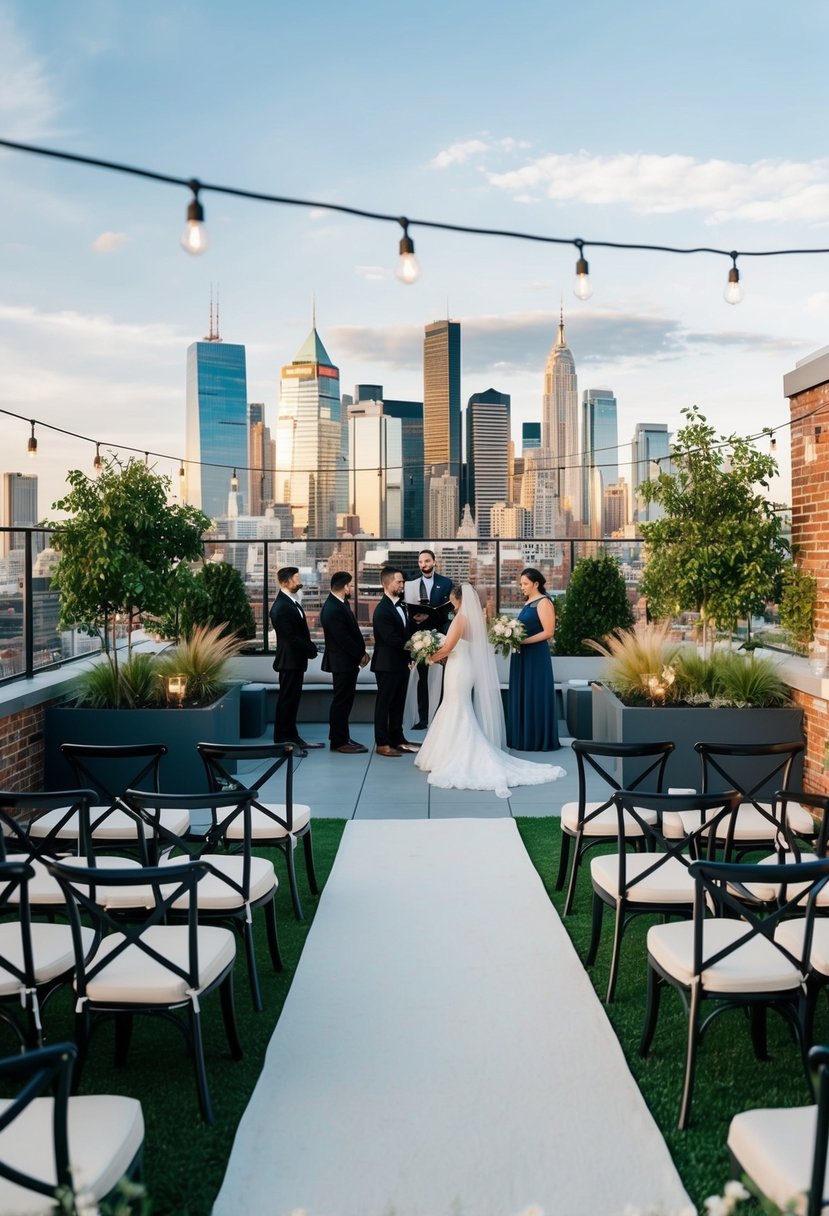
30,640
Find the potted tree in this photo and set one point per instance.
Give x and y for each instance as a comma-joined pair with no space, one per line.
595,603
124,549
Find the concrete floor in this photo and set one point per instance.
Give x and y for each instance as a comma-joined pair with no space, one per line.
368,786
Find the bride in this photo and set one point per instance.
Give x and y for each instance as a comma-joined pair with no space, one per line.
464,746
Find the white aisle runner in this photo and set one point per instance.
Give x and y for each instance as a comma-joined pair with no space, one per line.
441,1051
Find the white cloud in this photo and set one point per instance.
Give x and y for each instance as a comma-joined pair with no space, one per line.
99,335
28,105
469,149
373,273
762,191
108,242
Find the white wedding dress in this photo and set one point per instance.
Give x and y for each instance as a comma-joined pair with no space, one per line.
457,754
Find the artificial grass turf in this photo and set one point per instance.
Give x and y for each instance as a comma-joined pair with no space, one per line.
728,1077
184,1160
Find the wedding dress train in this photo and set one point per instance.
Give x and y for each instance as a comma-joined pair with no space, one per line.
457,754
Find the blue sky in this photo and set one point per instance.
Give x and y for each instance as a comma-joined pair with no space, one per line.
688,124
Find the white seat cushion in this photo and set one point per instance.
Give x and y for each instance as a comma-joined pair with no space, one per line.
54,954
105,1134
213,894
767,892
262,826
134,977
669,884
774,1148
790,934
117,825
750,824
755,966
606,823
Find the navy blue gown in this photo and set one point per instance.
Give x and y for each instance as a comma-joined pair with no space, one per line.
532,721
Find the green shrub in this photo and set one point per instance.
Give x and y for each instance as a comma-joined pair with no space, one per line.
133,684
797,606
753,681
594,604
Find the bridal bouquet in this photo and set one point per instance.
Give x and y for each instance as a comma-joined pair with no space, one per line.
506,635
423,644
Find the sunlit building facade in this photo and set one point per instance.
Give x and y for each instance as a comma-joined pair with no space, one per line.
560,426
442,400
375,475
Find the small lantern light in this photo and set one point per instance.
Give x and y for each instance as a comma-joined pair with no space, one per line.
176,688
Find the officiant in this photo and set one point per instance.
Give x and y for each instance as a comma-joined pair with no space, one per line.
428,607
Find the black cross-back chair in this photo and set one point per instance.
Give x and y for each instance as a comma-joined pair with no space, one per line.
55,1145
657,880
35,958
783,1152
109,771
751,768
273,825
733,958
237,883
146,965
590,823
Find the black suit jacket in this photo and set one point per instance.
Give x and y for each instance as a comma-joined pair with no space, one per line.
441,586
390,636
293,638
344,645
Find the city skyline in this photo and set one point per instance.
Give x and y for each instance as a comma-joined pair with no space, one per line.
98,301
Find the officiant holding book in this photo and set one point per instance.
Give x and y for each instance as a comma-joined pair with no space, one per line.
428,607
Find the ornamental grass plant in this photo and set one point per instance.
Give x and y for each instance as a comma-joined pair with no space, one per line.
202,658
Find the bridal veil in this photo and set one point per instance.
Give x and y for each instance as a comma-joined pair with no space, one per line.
486,689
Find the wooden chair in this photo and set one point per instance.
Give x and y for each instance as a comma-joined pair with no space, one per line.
783,1152
589,823
279,825
656,881
733,958
55,1147
146,965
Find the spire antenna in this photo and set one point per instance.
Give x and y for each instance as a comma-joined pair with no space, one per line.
218,338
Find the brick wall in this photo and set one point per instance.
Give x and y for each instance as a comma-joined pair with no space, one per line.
810,534
21,750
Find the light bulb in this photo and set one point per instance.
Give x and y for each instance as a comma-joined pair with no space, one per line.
194,238
733,293
31,447
97,463
583,288
234,482
408,270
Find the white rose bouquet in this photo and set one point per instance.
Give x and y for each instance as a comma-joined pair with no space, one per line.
506,635
423,644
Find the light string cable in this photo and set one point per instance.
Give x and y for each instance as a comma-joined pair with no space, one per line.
197,244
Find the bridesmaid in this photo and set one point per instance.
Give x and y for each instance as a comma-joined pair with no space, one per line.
532,721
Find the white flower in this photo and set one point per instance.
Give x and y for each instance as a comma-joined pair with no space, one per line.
735,1190
717,1205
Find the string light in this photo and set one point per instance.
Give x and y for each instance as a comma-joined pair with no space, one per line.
408,270
194,238
234,482
97,463
584,288
733,290
32,444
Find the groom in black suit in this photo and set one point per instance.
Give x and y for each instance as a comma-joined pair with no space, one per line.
432,590
345,654
390,664
293,650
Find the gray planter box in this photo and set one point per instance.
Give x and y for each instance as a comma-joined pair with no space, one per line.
182,771
614,722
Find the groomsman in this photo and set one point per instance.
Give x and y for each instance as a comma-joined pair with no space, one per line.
390,664
345,654
433,589
293,650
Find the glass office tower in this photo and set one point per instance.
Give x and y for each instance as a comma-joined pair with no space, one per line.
309,439
216,431
487,454
600,457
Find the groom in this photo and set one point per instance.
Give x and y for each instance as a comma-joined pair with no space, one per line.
431,589
390,664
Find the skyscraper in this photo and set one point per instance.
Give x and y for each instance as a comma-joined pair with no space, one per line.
650,443
530,436
599,444
19,506
560,425
375,475
410,414
261,459
442,399
487,454
444,511
216,428
308,438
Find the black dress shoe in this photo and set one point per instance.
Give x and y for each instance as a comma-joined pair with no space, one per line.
350,749
420,726
302,743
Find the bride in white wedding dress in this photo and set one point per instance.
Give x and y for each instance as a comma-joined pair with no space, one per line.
464,748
